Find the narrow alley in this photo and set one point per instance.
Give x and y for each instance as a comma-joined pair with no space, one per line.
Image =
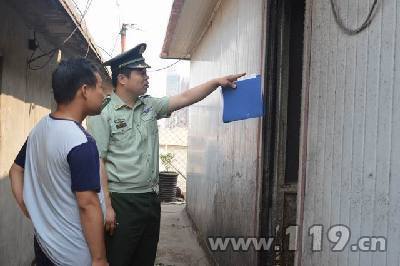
178,245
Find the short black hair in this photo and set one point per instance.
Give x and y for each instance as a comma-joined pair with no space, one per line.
70,75
123,71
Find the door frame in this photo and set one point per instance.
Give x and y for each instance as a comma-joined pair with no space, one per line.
269,45
304,116
270,125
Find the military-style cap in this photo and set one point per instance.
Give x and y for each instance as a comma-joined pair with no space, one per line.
130,59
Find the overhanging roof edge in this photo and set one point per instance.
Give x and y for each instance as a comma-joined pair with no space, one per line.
177,17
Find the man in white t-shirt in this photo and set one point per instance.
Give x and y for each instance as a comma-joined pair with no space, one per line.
55,177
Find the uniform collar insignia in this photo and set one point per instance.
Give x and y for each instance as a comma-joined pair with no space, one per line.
147,109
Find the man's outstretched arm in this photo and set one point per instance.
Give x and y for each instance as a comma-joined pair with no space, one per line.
201,91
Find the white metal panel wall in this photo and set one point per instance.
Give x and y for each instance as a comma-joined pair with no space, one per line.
223,159
353,158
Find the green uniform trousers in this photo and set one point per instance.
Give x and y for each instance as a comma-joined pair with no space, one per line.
135,239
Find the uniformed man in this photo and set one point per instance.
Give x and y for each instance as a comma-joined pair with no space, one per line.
127,137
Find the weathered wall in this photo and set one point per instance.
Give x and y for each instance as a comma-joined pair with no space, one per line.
353,158
25,98
223,159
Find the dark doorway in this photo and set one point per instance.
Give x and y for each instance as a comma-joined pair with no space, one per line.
284,64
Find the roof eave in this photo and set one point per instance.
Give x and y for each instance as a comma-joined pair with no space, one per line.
176,10
72,12
185,30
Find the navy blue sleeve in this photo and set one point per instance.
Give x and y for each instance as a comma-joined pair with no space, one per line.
20,159
84,165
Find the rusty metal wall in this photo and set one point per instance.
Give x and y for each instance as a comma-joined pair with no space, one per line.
25,97
353,148
224,159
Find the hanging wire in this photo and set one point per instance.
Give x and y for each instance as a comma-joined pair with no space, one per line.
166,66
363,26
88,4
98,46
109,53
50,56
77,7
52,52
104,50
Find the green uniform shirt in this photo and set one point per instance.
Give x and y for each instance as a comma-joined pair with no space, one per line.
127,140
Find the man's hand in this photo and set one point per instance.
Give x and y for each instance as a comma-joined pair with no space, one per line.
198,93
229,81
100,263
111,223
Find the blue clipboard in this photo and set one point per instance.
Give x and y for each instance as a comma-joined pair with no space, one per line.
244,102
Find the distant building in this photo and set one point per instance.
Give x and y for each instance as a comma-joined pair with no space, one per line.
177,82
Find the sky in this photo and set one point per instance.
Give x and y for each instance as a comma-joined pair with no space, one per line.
105,17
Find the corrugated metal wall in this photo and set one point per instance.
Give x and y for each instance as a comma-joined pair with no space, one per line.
353,158
224,159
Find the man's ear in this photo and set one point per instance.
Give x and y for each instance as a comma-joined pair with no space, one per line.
84,91
121,78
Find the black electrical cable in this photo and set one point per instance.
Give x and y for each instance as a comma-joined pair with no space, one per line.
51,53
43,65
363,26
166,66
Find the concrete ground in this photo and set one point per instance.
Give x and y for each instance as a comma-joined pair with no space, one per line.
178,243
